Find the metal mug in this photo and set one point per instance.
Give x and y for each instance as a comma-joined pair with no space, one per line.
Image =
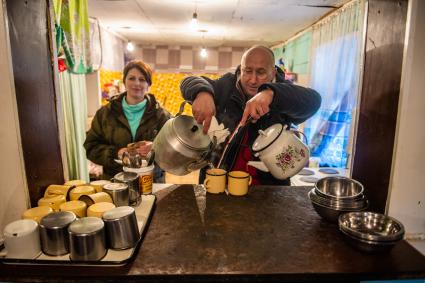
132,181
122,231
87,239
118,193
54,232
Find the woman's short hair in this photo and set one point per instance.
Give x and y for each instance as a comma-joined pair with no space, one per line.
144,68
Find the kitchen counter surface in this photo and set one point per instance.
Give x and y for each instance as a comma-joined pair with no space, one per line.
272,234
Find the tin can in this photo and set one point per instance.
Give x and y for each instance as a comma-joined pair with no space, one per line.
145,178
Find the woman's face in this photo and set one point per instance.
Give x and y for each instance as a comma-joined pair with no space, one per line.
136,85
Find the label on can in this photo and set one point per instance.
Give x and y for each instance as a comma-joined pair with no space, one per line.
145,184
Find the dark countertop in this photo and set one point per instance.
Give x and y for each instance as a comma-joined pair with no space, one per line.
271,234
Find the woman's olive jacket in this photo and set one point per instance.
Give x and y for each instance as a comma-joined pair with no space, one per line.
110,131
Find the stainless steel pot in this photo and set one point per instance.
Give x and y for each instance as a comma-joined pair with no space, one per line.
54,232
87,239
181,146
122,231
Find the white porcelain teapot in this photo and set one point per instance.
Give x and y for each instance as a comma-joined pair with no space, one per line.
281,151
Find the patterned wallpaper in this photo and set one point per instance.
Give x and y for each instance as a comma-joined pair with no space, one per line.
187,59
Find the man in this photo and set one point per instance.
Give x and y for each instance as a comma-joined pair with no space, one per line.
256,91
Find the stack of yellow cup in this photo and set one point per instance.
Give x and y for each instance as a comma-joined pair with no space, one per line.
77,206
98,185
36,213
53,201
81,190
97,209
76,183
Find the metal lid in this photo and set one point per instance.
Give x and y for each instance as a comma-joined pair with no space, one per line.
115,187
190,133
118,212
267,137
57,220
126,176
86,225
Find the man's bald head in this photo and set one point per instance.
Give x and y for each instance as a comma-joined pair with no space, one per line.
267,52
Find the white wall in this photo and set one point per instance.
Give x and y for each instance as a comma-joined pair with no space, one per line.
94,97
407,186
112,51
14,197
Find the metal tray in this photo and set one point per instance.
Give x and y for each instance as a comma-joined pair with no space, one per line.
113,257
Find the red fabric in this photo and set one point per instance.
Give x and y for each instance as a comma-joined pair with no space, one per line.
61,65
244,155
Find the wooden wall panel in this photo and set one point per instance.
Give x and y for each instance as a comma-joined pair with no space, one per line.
379,98
35,93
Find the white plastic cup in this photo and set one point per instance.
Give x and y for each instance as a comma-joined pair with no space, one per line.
145,178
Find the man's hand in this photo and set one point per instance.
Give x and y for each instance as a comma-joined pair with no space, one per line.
203,109
257,106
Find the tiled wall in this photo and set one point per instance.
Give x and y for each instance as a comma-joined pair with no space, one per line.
187,59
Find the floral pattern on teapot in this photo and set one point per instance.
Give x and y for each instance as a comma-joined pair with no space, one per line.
288,158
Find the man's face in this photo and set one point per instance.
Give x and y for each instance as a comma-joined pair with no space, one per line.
256,69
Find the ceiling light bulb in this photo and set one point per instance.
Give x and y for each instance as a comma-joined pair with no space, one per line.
194,22
130,46
204,53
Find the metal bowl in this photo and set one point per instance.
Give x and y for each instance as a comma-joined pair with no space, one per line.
371,226
331,214
366,245
336,203
338,187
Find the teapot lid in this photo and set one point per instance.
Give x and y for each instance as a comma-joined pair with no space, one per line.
190,133
267,137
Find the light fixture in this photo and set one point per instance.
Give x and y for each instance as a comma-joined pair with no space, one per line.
130,46
203,53
194,22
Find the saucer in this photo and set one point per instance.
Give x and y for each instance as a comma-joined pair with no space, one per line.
309,179
328,171
306,172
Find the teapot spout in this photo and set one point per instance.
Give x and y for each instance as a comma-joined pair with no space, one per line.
258,165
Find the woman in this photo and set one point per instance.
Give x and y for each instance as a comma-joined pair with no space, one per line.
132,116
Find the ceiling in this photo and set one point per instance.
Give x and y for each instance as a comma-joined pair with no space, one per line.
220,22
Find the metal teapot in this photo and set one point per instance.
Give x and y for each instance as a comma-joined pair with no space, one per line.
181,146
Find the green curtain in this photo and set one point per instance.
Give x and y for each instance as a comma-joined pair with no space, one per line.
295,54
73,34
74,105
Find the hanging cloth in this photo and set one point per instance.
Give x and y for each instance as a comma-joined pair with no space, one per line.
73,34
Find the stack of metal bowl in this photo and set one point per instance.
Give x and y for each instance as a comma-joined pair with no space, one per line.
332,196
371,232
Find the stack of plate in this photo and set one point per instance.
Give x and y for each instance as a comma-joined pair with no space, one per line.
332,196
369,231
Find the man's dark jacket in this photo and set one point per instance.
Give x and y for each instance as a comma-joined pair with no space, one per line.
292,104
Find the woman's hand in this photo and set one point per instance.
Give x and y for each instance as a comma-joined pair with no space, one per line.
121,152
143,148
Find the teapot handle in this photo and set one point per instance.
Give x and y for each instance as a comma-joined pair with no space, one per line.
181,108
302,134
